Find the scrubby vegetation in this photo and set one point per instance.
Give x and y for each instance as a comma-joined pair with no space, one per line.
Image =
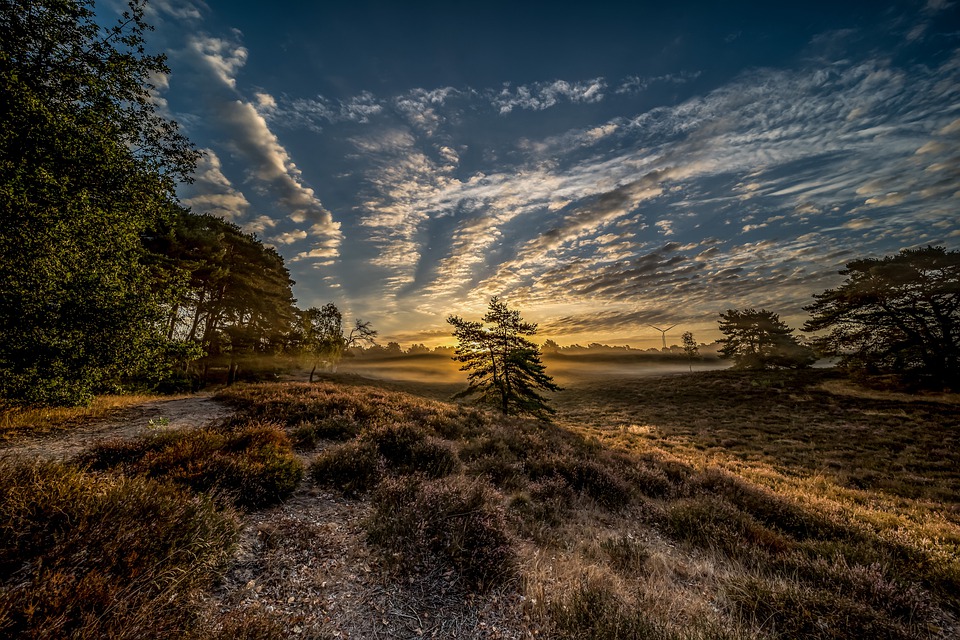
626,518
85,555
253,464
622,533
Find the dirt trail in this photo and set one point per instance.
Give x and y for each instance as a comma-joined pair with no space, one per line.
181,413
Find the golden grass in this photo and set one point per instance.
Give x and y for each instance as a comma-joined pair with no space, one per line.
17,421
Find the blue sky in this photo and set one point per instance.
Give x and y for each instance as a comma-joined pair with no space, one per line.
602,168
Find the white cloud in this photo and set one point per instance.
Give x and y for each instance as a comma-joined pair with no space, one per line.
250,137
289,237
213,193
543,95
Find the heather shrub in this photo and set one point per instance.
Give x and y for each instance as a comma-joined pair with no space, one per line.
90,556
794,610
713,523
253,466
584,476
307,435
594,610
352,467
542,507
450,521
625,554
408,449
766,507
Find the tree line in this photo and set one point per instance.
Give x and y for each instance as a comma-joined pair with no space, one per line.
105,281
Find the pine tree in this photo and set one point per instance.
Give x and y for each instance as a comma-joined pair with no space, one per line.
760,340
505,368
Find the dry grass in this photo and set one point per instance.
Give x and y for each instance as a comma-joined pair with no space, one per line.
716,505
18,421
675,529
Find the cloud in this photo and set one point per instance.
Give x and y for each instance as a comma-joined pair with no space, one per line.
212,192
543,95
221,57
250,137
289,237
638,84
259,225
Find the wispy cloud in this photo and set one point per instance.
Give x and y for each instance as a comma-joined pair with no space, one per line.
543,95
249,136
213,193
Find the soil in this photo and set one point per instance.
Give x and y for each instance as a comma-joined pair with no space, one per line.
179,413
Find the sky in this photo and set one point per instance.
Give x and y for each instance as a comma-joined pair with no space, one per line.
601,166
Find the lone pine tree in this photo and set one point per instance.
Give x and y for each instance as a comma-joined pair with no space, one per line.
505,368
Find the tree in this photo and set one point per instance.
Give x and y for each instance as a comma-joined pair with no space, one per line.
760,340
225,290
324,341
690,347
899,313
86,167
504,367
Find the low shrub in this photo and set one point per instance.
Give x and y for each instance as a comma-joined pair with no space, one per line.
542,508
409,449
352,467
253,466
593,610
452,521
766,507
584,476
339,428
89,556
711,522
792,610
626,554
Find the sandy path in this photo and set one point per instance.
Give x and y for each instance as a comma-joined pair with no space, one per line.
182,413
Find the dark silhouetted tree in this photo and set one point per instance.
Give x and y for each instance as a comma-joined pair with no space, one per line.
87,165
690,347
504,367
760,340
899,313
324,341
228,293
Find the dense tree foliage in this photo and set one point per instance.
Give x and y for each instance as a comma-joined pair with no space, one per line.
322,338
899,313
86,166
504,367
225,291
760,340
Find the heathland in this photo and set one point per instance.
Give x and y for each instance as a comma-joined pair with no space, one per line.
712,504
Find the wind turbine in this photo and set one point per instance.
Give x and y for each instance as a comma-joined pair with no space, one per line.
663,333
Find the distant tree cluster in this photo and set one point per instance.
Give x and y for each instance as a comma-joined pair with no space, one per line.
897,314
758,339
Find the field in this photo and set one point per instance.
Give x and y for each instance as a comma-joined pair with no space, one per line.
658,504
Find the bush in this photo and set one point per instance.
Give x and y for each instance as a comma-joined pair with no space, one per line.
593,610
253,466
795,611
627,555
408,449
713,523
308,434
86,555
452,521
352,467
584,476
